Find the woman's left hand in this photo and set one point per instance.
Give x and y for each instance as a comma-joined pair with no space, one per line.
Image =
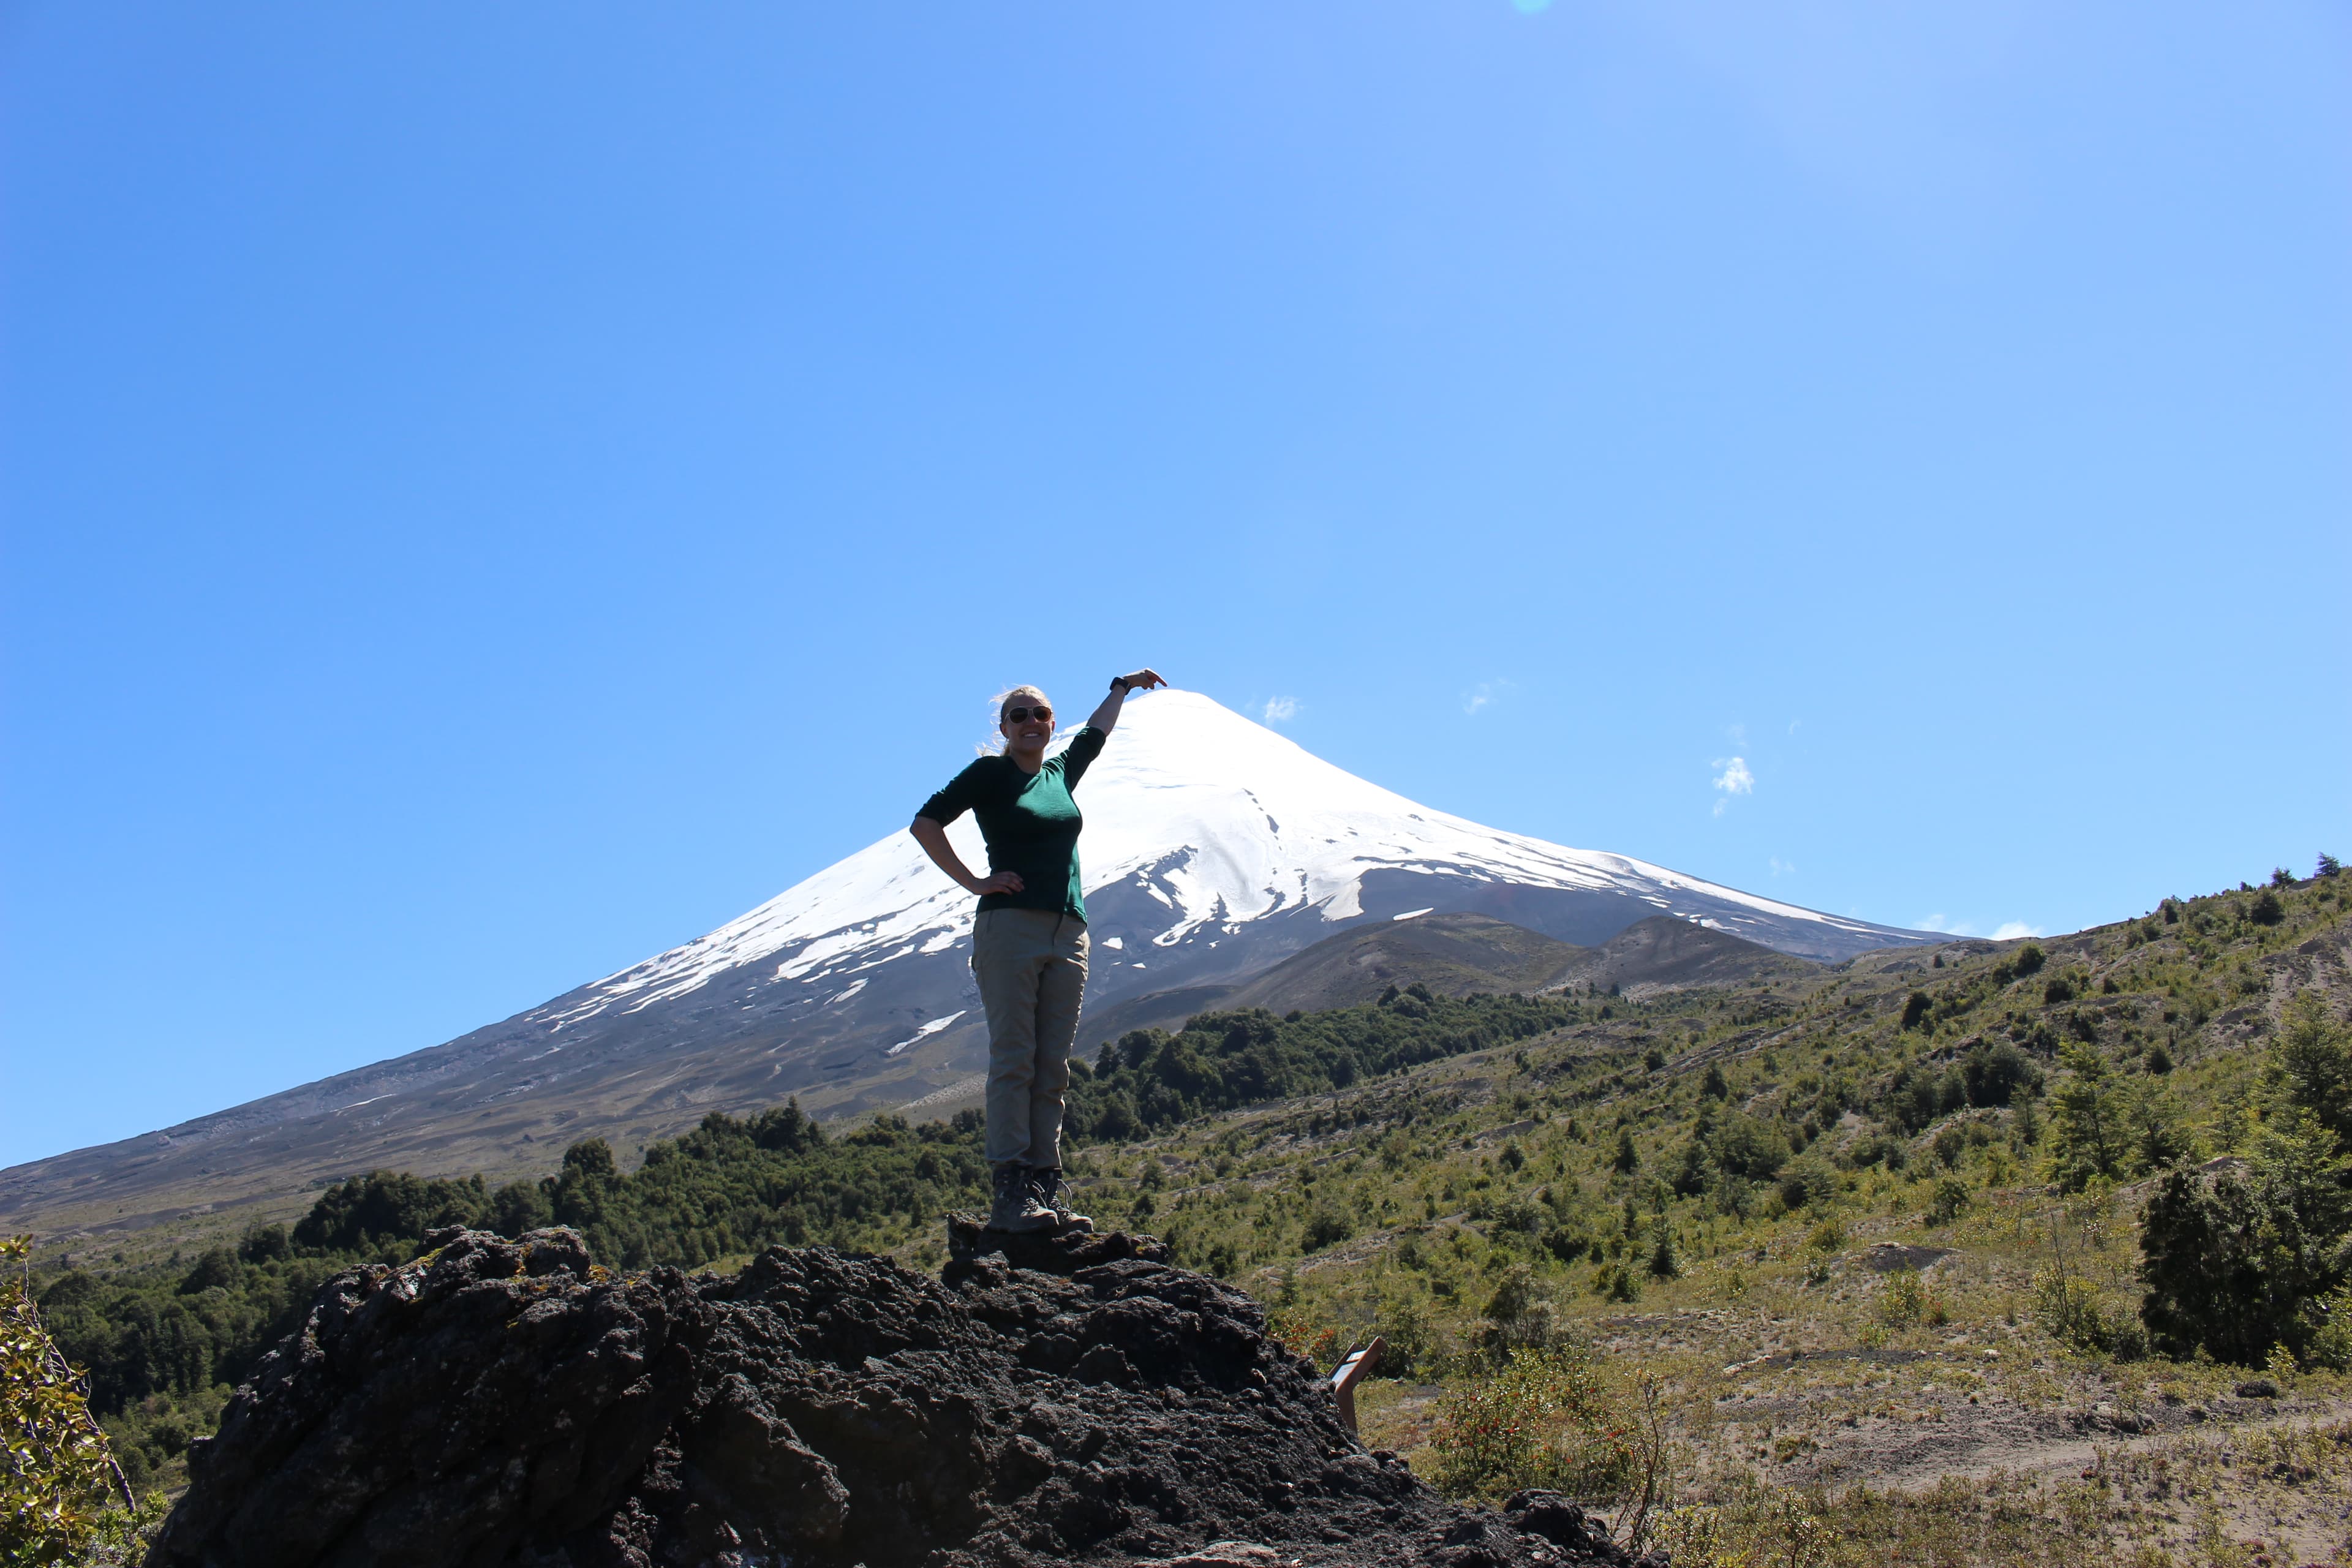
1141,680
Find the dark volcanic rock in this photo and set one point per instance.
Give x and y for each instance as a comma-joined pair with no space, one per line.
505,1403
1059,1252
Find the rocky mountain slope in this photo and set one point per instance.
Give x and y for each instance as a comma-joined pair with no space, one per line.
1456,954
1214,849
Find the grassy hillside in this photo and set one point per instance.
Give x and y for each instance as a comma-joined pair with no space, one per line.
1819,1261
1727,1196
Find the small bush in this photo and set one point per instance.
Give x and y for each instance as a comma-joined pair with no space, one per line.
2331,1342
2057,989
1517,1316
1543,1422
1327,1225
2029,959
2068,1309
1412,1343
1908,1300
1615,1282
58,1483
2266,909
1916,1008
1951,1202
1805,1180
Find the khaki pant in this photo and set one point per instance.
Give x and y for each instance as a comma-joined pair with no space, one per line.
1032,969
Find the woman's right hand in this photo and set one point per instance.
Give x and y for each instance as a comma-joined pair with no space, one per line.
1001,882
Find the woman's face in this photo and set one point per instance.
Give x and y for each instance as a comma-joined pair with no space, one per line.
1034,728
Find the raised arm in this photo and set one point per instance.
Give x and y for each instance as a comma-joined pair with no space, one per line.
1104,717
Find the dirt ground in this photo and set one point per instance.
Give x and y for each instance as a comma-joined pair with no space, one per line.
2144,1463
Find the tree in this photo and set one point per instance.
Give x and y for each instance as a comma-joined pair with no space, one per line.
2090,1116
2266,909
1915,1008
2236,1266
2157,1133
1992,1075
1628,1159
2328,866
2312,1064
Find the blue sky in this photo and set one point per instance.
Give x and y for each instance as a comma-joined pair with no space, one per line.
493,491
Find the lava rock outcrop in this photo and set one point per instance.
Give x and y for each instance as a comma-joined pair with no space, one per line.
507,1403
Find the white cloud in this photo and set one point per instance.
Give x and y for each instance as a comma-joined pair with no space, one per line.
1280,709
1735,779
1486,694
2002,932
1783,868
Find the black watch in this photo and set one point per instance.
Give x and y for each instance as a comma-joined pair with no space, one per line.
1118,683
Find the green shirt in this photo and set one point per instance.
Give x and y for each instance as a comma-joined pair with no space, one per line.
1029,821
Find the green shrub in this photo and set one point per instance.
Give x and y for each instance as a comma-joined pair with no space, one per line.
1950,1201
1414,1346
2091,1117
1909,1300
1806,1180
2311,1062
2331,1342
59,1481
1327,1225
2069,1309
1544,1421
1615,1282
2233,1266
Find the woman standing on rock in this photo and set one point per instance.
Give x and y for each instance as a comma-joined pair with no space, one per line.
1029,940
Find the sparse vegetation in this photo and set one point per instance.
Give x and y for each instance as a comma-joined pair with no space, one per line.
1537,1219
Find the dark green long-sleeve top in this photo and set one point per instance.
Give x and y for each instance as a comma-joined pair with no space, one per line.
1029,820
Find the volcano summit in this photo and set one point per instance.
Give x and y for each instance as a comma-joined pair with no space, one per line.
1214,848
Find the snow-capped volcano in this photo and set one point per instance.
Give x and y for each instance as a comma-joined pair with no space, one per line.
1205,830
1213,848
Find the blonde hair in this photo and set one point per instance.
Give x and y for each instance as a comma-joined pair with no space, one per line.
997,705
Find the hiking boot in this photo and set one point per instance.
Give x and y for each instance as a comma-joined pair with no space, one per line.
1046,1187
1015,1206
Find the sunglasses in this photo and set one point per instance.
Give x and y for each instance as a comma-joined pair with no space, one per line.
1021,715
